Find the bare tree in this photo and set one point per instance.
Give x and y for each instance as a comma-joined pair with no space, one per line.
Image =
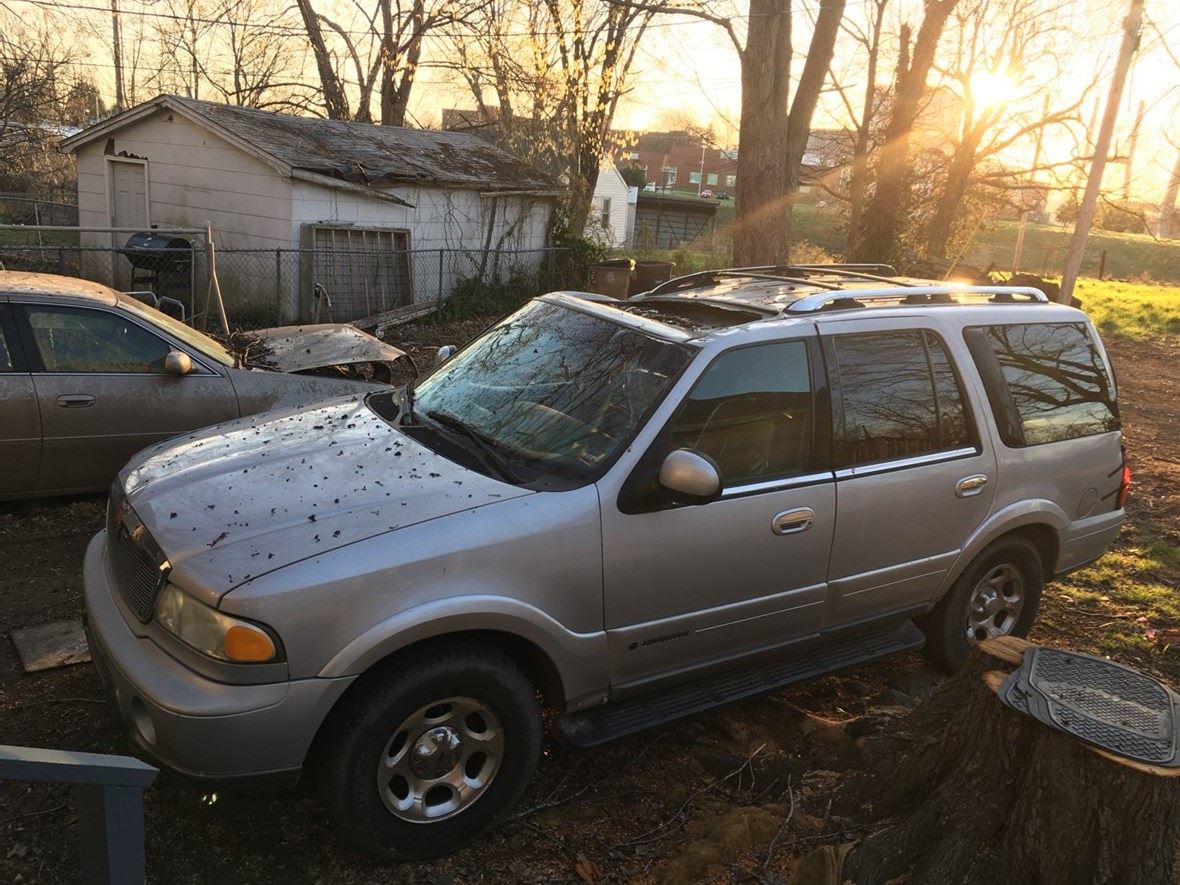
1169,214
378,50
774,126
548,76
884,214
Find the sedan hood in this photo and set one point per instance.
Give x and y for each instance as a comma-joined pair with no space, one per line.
241,499
299,348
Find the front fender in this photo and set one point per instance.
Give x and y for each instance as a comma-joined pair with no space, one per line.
1036,511
579,658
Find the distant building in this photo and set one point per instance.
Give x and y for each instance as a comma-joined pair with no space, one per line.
678,160
672,221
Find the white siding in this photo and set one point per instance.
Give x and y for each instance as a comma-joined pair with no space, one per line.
451,220
609,229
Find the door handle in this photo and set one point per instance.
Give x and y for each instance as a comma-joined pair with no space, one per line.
970,485
75,400
791,521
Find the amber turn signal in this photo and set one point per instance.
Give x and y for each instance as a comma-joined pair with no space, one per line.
247,644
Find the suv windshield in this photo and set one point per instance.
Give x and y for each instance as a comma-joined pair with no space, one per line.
550,391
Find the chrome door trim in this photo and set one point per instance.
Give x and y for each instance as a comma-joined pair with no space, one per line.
775,485
902,463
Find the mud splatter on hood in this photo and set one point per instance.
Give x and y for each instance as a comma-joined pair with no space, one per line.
241,499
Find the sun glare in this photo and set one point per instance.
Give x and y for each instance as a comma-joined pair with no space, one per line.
990,88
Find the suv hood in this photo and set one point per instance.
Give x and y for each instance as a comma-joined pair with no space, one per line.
244,498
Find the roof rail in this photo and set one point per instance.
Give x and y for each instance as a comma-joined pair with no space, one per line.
782,273
914,295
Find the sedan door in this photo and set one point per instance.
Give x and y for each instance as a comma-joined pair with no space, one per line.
695,587
914,477
104,395
20,420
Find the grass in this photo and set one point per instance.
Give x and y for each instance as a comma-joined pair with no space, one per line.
1132,310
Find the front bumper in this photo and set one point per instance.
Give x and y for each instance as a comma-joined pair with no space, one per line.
255,734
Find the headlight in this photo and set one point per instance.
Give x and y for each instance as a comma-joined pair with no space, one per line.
211,632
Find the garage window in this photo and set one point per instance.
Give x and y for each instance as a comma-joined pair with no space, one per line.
364,270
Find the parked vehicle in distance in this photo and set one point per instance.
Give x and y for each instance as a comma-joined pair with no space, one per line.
706,195
89,376
640,509
649,188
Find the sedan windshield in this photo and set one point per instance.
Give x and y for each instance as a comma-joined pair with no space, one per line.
187,334
551,389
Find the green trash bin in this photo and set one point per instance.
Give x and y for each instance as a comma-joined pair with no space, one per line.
613,277
649,274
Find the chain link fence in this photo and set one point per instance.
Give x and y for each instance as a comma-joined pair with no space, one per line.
26,208
266,287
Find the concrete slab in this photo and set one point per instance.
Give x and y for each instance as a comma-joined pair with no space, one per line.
46,646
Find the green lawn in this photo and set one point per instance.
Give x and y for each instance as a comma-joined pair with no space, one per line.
1135,310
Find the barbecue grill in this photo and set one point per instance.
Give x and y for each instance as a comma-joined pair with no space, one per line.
153,254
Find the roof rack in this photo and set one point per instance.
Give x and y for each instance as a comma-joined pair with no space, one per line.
782,273
924,295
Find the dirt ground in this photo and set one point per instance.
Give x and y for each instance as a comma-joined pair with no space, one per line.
729,796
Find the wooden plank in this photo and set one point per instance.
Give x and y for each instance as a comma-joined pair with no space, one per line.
40,765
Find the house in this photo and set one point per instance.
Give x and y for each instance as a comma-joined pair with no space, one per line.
380,216
611,216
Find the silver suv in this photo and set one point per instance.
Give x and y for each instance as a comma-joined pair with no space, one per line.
635,509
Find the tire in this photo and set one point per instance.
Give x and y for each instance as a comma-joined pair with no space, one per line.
1014,568
415,717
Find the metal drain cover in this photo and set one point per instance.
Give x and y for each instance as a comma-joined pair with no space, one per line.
1097,701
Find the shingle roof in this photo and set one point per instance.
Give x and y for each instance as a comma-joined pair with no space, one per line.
365,153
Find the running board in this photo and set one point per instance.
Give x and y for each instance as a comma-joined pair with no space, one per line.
608,723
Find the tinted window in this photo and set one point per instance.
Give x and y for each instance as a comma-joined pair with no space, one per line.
751,411
898,397
1056,380
5,354
80,340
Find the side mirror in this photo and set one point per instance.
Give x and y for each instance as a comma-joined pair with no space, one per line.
690,477
178,363
444,353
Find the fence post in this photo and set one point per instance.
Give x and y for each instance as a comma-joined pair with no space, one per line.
279,284
440,277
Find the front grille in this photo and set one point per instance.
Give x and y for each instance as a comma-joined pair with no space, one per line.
137,579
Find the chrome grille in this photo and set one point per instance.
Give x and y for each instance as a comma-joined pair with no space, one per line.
139,569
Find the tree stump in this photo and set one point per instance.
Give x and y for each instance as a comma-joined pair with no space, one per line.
970,791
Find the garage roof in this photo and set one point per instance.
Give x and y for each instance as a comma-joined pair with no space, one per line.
357,153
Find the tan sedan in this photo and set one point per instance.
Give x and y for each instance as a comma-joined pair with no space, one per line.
89,376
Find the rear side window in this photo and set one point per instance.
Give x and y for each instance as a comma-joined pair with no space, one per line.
6,363
1047,382
897,396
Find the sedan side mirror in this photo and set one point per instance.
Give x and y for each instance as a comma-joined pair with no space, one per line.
444,353
690,477
178,363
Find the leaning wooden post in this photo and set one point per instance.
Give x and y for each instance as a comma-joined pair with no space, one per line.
214,286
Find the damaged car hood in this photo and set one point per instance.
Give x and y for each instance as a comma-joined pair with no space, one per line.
300,348
241,499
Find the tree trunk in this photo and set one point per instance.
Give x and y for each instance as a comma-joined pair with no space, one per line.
954,189
1169,215
761,204
335,101
975,792
885,212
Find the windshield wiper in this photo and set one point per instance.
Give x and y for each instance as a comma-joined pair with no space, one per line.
491,458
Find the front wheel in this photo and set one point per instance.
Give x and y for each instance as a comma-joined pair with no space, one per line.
996,595
430,752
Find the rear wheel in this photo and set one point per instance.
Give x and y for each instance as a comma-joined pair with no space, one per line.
430,752
997,595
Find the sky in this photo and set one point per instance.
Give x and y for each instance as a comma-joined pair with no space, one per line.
685,66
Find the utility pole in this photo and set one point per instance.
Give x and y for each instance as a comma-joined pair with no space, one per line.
1132,26
1132,146
1169,222
117,52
